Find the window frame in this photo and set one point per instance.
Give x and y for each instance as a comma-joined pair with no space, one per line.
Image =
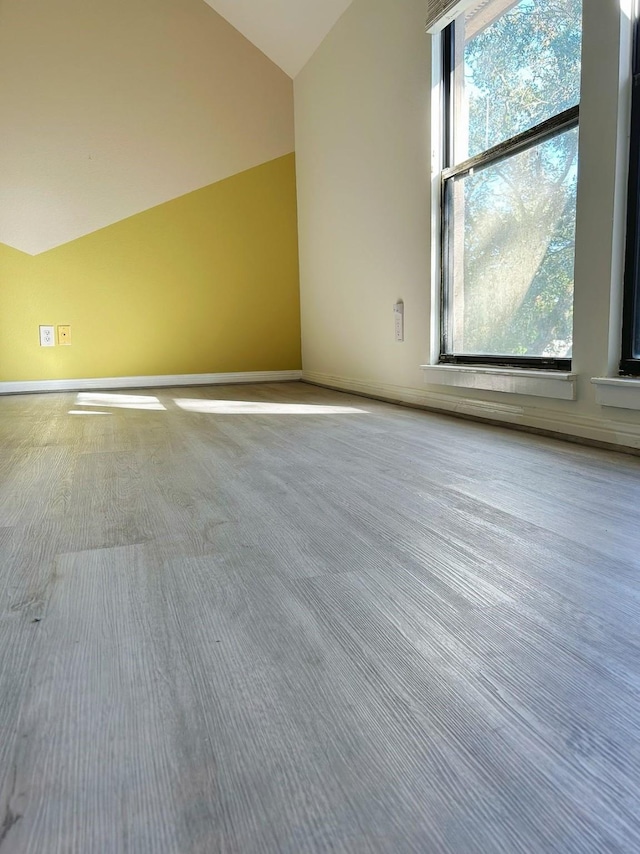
629,364
542,132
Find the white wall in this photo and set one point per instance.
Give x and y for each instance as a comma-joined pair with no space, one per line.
363,148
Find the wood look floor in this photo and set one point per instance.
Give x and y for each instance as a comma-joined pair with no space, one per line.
309,623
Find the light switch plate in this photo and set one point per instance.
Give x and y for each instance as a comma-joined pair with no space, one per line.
398,318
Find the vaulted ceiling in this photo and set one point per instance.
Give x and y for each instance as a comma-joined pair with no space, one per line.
287,31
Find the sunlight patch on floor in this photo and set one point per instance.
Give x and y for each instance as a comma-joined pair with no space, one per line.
249,407
119,401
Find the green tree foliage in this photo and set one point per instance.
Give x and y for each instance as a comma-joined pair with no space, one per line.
518,215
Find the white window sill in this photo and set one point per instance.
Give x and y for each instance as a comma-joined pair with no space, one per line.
556,384
623,392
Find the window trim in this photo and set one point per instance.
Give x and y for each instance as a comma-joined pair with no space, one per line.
545,130
630,365
559,385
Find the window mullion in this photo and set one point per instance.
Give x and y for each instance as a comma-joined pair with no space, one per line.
629,362
545,130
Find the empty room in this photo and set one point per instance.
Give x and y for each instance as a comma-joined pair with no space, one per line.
319,427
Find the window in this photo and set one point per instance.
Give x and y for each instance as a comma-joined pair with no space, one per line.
630,363
511,74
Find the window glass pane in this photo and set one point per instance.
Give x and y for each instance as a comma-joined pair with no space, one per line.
510,232
516,64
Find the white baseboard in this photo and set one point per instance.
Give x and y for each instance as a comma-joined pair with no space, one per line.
149,382
607,431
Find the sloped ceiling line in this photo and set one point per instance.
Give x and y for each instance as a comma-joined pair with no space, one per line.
287,31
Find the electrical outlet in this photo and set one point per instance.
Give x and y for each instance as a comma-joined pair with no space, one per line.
64,335
47,336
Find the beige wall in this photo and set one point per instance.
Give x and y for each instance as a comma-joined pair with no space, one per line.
363,152
110,108
147,193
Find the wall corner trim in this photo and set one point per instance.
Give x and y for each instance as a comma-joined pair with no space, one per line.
163,381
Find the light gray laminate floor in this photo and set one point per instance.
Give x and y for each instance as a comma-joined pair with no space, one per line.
347,627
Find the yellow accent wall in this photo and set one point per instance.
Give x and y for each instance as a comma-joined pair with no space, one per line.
205,283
